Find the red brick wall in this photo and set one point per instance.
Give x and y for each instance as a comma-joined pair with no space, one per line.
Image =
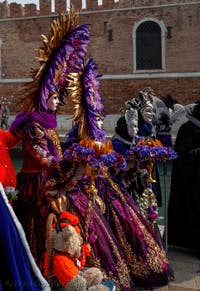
4,10
60,6
45,7
12,93
30,9
182,50
77,3
16,10
21,36
115,92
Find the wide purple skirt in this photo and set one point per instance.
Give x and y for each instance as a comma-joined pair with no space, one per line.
142,249
105,250
123,243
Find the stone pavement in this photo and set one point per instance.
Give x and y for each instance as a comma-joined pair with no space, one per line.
186,270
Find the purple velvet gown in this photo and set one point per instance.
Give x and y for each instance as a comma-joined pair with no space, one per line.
105,250
41,151
120,235
142,249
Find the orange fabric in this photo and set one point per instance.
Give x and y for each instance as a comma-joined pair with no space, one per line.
64,269
45,265
8,139
73,220
103,148
150,142
7,170
86,250
82,258
71,217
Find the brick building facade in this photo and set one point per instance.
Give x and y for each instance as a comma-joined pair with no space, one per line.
135,43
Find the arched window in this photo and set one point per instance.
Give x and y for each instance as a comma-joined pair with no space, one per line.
149,46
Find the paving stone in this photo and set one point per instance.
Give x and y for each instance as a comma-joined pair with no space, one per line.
186,267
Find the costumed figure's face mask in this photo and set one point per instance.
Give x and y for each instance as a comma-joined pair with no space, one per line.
132,128
131,117
146,107
99,122
53,102
147,112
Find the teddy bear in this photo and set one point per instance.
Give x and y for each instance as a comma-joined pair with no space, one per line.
69,257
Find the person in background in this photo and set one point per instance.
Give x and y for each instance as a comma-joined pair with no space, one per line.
5,117
184,200
163,120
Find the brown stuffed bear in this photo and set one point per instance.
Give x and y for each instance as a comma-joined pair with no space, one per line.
69,257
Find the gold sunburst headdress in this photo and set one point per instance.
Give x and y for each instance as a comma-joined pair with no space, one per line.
62,52
88,106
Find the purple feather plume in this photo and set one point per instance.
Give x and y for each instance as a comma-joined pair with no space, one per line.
93,102
67,58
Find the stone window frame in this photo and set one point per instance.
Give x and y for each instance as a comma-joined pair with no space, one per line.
163,36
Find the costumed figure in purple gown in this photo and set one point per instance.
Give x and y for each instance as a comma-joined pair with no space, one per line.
111,222
35,125
145,125
124,139
82,200
139,154
135,175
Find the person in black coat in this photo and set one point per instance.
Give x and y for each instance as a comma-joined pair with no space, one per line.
184,201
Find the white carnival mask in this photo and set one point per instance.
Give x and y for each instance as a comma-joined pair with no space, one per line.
131,117
147,112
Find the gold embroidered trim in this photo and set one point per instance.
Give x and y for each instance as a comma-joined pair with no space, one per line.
155,256
56,140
